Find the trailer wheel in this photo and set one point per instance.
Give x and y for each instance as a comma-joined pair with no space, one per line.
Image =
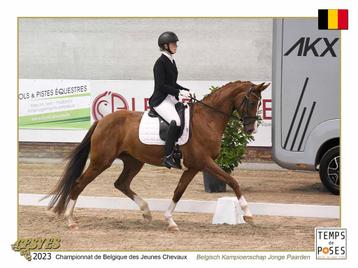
329,170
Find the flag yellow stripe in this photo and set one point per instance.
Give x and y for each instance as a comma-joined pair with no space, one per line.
332,19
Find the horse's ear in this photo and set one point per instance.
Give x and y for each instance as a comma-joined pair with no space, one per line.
261,87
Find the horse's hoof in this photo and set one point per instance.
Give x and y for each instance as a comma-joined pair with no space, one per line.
173,228
249,219
51,212
73,226
147,218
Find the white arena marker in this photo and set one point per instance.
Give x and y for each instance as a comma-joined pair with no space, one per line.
228,211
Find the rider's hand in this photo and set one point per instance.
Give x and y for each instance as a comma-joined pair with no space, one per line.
185,94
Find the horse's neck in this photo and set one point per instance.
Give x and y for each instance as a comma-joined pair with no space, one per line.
222,101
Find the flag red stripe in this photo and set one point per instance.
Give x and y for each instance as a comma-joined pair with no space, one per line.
342,18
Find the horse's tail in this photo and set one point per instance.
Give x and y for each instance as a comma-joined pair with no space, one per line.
74,169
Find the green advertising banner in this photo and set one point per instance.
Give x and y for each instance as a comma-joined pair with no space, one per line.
54,104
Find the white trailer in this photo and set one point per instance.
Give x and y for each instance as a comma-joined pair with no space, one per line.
306,98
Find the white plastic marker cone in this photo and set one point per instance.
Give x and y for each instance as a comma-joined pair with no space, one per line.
228,211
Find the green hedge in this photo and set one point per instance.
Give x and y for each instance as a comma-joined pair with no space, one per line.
233,143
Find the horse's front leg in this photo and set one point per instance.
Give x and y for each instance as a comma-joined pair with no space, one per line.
184,181
214,169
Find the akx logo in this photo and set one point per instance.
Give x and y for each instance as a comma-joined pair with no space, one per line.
305,45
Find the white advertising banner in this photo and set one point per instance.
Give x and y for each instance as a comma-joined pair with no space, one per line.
60,110
112,95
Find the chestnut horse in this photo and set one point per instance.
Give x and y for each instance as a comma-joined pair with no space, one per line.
116,136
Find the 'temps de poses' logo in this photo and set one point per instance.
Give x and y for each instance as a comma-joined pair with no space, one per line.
331,243
106,103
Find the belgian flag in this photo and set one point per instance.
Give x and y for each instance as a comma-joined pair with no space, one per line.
333,19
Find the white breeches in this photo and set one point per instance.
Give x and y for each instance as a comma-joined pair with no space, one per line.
167,110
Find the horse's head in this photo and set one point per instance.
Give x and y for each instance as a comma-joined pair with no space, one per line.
247,103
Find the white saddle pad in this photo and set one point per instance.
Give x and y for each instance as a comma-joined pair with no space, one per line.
149,129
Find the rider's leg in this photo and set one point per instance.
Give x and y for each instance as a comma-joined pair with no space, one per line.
172,136
168,112
166,109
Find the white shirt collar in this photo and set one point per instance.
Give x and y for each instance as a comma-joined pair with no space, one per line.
168,55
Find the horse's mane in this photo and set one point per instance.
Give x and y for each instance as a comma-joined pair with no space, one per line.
220,89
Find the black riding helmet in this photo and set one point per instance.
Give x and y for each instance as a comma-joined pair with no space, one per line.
166,38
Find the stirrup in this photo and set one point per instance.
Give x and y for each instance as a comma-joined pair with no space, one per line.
170,162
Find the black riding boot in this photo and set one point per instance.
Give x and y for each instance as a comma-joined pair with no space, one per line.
172,136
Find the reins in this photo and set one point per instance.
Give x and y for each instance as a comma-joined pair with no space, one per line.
216,110
244,101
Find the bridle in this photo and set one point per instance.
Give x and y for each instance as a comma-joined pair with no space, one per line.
246,119
244,106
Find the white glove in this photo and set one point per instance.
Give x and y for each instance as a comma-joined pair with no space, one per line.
186,94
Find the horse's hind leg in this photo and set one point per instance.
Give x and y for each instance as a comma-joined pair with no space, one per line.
94,169
131,168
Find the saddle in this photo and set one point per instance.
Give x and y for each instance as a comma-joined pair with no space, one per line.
164,125
153,130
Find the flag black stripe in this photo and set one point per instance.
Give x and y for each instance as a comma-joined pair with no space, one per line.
323,19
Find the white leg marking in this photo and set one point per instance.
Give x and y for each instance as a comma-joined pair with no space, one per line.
244,206
70,208
69,214
143,207
169,217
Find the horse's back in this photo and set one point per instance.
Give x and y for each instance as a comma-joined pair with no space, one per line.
123,115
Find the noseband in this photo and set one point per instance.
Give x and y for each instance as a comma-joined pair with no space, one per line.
244,106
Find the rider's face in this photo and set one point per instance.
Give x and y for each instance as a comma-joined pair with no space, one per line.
173,47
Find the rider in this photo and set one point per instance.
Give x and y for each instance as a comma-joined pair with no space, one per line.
166,92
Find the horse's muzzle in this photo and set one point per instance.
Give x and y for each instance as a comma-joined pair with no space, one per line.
250,130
